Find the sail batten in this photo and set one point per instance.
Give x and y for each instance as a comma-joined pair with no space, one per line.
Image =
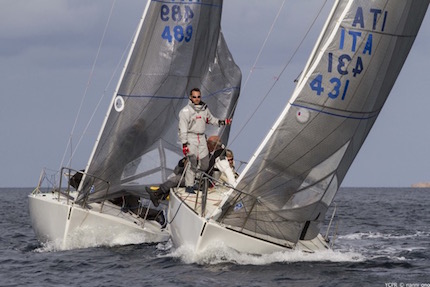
300,165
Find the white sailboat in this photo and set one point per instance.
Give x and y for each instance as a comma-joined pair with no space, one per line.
178,46
282,196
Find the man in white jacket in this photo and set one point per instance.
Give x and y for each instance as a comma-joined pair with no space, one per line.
218,161
192,126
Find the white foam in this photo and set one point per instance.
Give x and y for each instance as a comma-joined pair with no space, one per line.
218,253
87,238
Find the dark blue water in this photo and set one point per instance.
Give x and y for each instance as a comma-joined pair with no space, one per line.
383,239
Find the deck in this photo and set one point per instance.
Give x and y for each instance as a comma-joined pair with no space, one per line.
215,196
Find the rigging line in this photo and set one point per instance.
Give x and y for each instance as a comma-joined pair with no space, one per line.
101,99
187,166
264,44
252,70
280,74
88,83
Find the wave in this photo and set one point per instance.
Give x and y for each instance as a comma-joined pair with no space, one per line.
386,246
377,235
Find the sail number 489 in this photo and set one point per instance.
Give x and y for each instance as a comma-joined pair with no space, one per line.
178,33
177,14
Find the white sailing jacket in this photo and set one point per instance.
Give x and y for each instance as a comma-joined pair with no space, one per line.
192,127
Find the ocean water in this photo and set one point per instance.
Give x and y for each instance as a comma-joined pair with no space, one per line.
382,239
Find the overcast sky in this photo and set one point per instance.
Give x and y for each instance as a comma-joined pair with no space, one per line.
48,48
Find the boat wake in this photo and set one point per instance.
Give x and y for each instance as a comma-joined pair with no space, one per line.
218,253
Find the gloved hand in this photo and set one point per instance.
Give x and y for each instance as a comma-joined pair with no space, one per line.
224,122
185,149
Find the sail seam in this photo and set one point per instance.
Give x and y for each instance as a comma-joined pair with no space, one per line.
176,98
337,115
190,2
380,33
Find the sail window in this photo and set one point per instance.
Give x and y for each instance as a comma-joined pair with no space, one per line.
142,164
308,196
319,179
331,191
152,167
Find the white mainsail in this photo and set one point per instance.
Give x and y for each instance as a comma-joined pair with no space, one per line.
179,46
292,178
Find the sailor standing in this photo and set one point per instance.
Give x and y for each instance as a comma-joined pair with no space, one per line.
192,126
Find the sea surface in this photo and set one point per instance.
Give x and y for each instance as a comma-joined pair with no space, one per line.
382,239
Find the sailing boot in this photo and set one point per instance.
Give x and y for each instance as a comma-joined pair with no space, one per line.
164,192
155,195
161,218
190,189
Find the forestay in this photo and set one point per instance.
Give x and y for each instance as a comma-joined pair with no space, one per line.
178,46
297,170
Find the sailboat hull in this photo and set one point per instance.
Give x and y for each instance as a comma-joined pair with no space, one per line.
189,229
67,225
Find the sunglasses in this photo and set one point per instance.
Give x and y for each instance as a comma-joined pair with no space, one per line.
196,97
230,159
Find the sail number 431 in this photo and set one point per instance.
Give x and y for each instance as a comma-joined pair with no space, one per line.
338,88
316,85
177,14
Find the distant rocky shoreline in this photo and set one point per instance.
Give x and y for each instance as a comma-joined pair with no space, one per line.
421,184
